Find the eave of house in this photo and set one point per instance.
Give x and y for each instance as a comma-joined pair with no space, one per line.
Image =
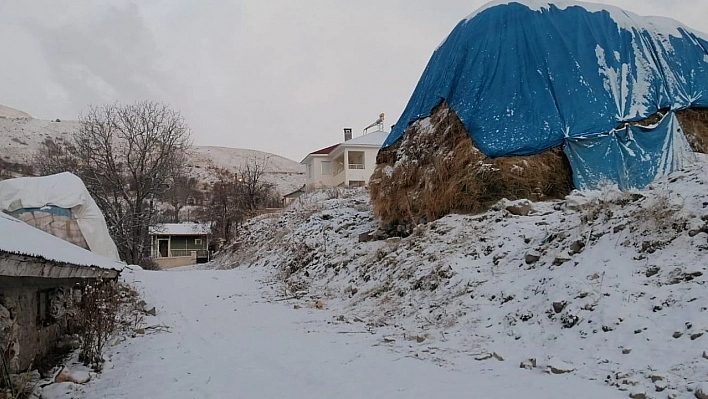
17,265
343,147
307,159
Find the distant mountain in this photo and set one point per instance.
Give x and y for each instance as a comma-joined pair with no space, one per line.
21,136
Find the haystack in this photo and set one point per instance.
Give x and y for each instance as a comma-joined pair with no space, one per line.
695,125
436,169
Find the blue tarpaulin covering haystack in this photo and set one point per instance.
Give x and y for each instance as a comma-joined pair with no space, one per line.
526,76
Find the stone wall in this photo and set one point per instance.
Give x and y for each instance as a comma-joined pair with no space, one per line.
34,314
177,261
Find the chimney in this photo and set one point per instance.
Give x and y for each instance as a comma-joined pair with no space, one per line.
347,133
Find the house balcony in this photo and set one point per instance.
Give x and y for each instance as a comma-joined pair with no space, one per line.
356,166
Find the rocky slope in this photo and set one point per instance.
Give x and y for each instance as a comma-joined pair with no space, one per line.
610,286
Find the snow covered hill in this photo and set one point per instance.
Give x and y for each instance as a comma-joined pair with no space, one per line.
21,136
609,286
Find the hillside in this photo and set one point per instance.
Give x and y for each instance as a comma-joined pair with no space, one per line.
609,286
21,135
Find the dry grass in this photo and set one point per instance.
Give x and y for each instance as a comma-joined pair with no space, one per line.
436,169
695,124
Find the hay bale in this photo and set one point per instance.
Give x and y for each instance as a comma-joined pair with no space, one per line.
435,169
695,124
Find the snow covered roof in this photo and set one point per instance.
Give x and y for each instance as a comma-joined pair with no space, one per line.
20,238
180,229
63,190
375,139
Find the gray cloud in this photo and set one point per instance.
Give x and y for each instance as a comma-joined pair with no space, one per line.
280,76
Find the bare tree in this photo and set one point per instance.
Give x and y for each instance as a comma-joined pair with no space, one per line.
127,155
182,190
255,191
236,196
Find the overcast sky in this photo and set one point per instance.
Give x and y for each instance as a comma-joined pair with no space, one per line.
282,76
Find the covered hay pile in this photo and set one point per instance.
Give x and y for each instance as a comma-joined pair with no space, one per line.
436,169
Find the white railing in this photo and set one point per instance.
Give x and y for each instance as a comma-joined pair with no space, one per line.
356,166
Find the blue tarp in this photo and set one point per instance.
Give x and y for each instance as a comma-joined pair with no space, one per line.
524,78
629,157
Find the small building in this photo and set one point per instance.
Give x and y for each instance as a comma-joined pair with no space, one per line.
347,164
180,244
289,198
41,281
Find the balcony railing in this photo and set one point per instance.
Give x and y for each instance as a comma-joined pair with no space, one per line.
182,252
356,166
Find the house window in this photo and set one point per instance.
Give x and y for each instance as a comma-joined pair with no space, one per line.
309,170
197,241
356,183
326,168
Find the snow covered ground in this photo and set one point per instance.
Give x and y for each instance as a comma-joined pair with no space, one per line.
230,337
609,286
605,291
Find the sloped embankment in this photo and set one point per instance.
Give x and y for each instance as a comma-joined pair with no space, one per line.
609,285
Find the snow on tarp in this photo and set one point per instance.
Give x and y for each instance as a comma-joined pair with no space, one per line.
525,76
21,238
63,190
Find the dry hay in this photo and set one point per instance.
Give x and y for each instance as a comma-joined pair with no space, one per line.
436,169
695,124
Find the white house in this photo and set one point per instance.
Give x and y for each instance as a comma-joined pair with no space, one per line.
347,164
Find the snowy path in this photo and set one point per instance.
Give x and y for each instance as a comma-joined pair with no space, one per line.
227,341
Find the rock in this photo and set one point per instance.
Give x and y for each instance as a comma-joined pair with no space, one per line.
484,357
696,335
577,247
528,364
557,366
62,375
560,260
660,385
705,355
677,334
140,331
652,270
365,237
151,311
559,306
626,351
701,391
532,257
638,395
419,338
296,306
497,356
655,378
319,305
79,377
520,207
